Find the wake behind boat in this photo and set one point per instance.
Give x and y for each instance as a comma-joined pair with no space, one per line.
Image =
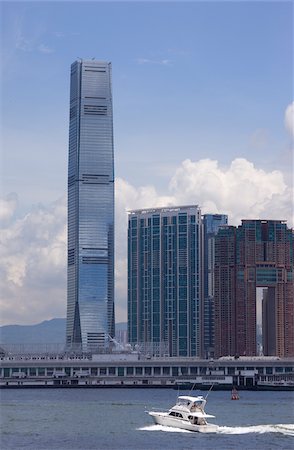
188,413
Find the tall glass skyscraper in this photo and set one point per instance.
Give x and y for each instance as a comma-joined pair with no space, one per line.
164,278
90,303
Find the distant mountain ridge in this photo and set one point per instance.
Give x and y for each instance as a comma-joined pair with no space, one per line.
47,332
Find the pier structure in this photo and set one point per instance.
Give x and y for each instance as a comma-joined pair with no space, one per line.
136,370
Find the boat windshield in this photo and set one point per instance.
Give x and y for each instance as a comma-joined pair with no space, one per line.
191,402
199,404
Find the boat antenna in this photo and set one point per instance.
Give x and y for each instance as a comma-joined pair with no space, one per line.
209,391
192,388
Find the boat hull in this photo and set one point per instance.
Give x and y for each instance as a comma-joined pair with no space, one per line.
168,421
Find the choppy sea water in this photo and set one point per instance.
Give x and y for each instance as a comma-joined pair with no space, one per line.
116,419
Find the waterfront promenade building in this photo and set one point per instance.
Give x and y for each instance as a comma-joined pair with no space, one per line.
259,253
90,301
165,279
211,224
133,370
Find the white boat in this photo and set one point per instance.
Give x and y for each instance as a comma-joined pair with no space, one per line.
188,413
279,385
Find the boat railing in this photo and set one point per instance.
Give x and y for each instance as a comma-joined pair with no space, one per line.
159,409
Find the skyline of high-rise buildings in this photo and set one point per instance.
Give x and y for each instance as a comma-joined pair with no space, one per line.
190,277
210,308
90,299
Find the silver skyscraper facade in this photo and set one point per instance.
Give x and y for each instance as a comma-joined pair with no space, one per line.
90,290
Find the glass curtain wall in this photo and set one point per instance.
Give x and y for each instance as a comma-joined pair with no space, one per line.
90,306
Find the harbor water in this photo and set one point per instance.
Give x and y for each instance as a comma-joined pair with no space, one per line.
85,419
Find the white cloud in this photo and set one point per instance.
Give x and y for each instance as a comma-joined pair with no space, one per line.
32,265
289,118
7,207
28,39
23,43
33,247
162,62
241,190
30,45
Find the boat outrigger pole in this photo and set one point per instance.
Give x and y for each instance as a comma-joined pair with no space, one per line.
209,391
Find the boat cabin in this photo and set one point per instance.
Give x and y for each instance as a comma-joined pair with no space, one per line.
191,403
191,409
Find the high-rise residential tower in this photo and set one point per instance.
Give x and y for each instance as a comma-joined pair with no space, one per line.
90,303
257,254
211,224
164,278
225,292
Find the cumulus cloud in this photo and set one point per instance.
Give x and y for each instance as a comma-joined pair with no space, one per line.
8,206
33,247
32,265
240,190
289,118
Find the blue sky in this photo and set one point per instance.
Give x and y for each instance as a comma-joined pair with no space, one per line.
191,81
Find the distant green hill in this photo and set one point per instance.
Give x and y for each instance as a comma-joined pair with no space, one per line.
47,332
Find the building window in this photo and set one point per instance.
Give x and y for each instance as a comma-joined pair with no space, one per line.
166,370
175,371
147,370
121,371
184,370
